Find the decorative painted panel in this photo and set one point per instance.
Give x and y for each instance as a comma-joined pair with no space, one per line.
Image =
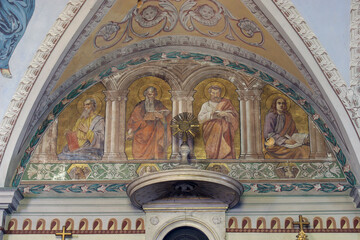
248,105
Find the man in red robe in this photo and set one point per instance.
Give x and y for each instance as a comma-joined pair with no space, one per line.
149,128
220,121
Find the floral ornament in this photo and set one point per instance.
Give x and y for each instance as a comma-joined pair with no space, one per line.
113,188
210,14
164,13
156,16
109,31
248,27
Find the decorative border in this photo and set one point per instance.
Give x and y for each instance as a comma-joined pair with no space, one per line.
253,230
115,188
242,171
303,103
76,231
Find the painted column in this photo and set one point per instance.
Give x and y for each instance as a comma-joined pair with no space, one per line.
9,201
250,126
318,147
182,102
46,150
114,148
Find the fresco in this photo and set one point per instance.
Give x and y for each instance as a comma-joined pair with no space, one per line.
219,118
285,127
14,18
81,129
148,120
308,171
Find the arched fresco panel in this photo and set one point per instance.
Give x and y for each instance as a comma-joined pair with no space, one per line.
245,165
81,127
148,116
216,105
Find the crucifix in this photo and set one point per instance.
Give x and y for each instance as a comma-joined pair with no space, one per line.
301,223
63,234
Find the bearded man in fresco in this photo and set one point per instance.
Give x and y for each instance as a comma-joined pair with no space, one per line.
282,139
86,139
149,128
220,121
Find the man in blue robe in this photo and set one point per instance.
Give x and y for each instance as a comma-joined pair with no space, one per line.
14,18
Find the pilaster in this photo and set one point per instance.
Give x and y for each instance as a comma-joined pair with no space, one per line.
46,150
250,126
9,201
114,149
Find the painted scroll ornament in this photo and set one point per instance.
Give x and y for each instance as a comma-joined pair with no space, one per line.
155,17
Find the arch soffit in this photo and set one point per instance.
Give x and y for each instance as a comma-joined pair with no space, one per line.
189,222
124,80
275,83
239,80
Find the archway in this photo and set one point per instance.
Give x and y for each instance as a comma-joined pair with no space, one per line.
185,233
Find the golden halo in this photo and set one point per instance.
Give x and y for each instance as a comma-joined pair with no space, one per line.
83,98
272,97
206,89
144,87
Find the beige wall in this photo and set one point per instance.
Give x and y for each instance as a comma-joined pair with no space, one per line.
292,236
77,237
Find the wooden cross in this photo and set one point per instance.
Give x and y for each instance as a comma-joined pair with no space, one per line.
63,234
301,223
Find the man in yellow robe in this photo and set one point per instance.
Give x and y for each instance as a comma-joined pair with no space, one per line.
86,140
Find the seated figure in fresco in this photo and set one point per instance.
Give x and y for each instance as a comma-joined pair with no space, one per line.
282,139
220,121
86,139
149,128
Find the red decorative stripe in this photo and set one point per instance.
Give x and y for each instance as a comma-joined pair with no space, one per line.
253,230
76,232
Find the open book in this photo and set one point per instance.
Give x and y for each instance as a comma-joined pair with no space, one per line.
298,137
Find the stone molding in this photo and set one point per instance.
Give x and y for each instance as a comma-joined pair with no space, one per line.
355,194
9,201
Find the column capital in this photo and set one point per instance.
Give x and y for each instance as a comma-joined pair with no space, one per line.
246,94
355,194
116,95
9,201
182,95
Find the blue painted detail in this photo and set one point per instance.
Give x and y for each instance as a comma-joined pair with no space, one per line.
116,187
14,18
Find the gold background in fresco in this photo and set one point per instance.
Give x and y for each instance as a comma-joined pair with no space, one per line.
298,114
135,95
200,98
271,50
71,113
